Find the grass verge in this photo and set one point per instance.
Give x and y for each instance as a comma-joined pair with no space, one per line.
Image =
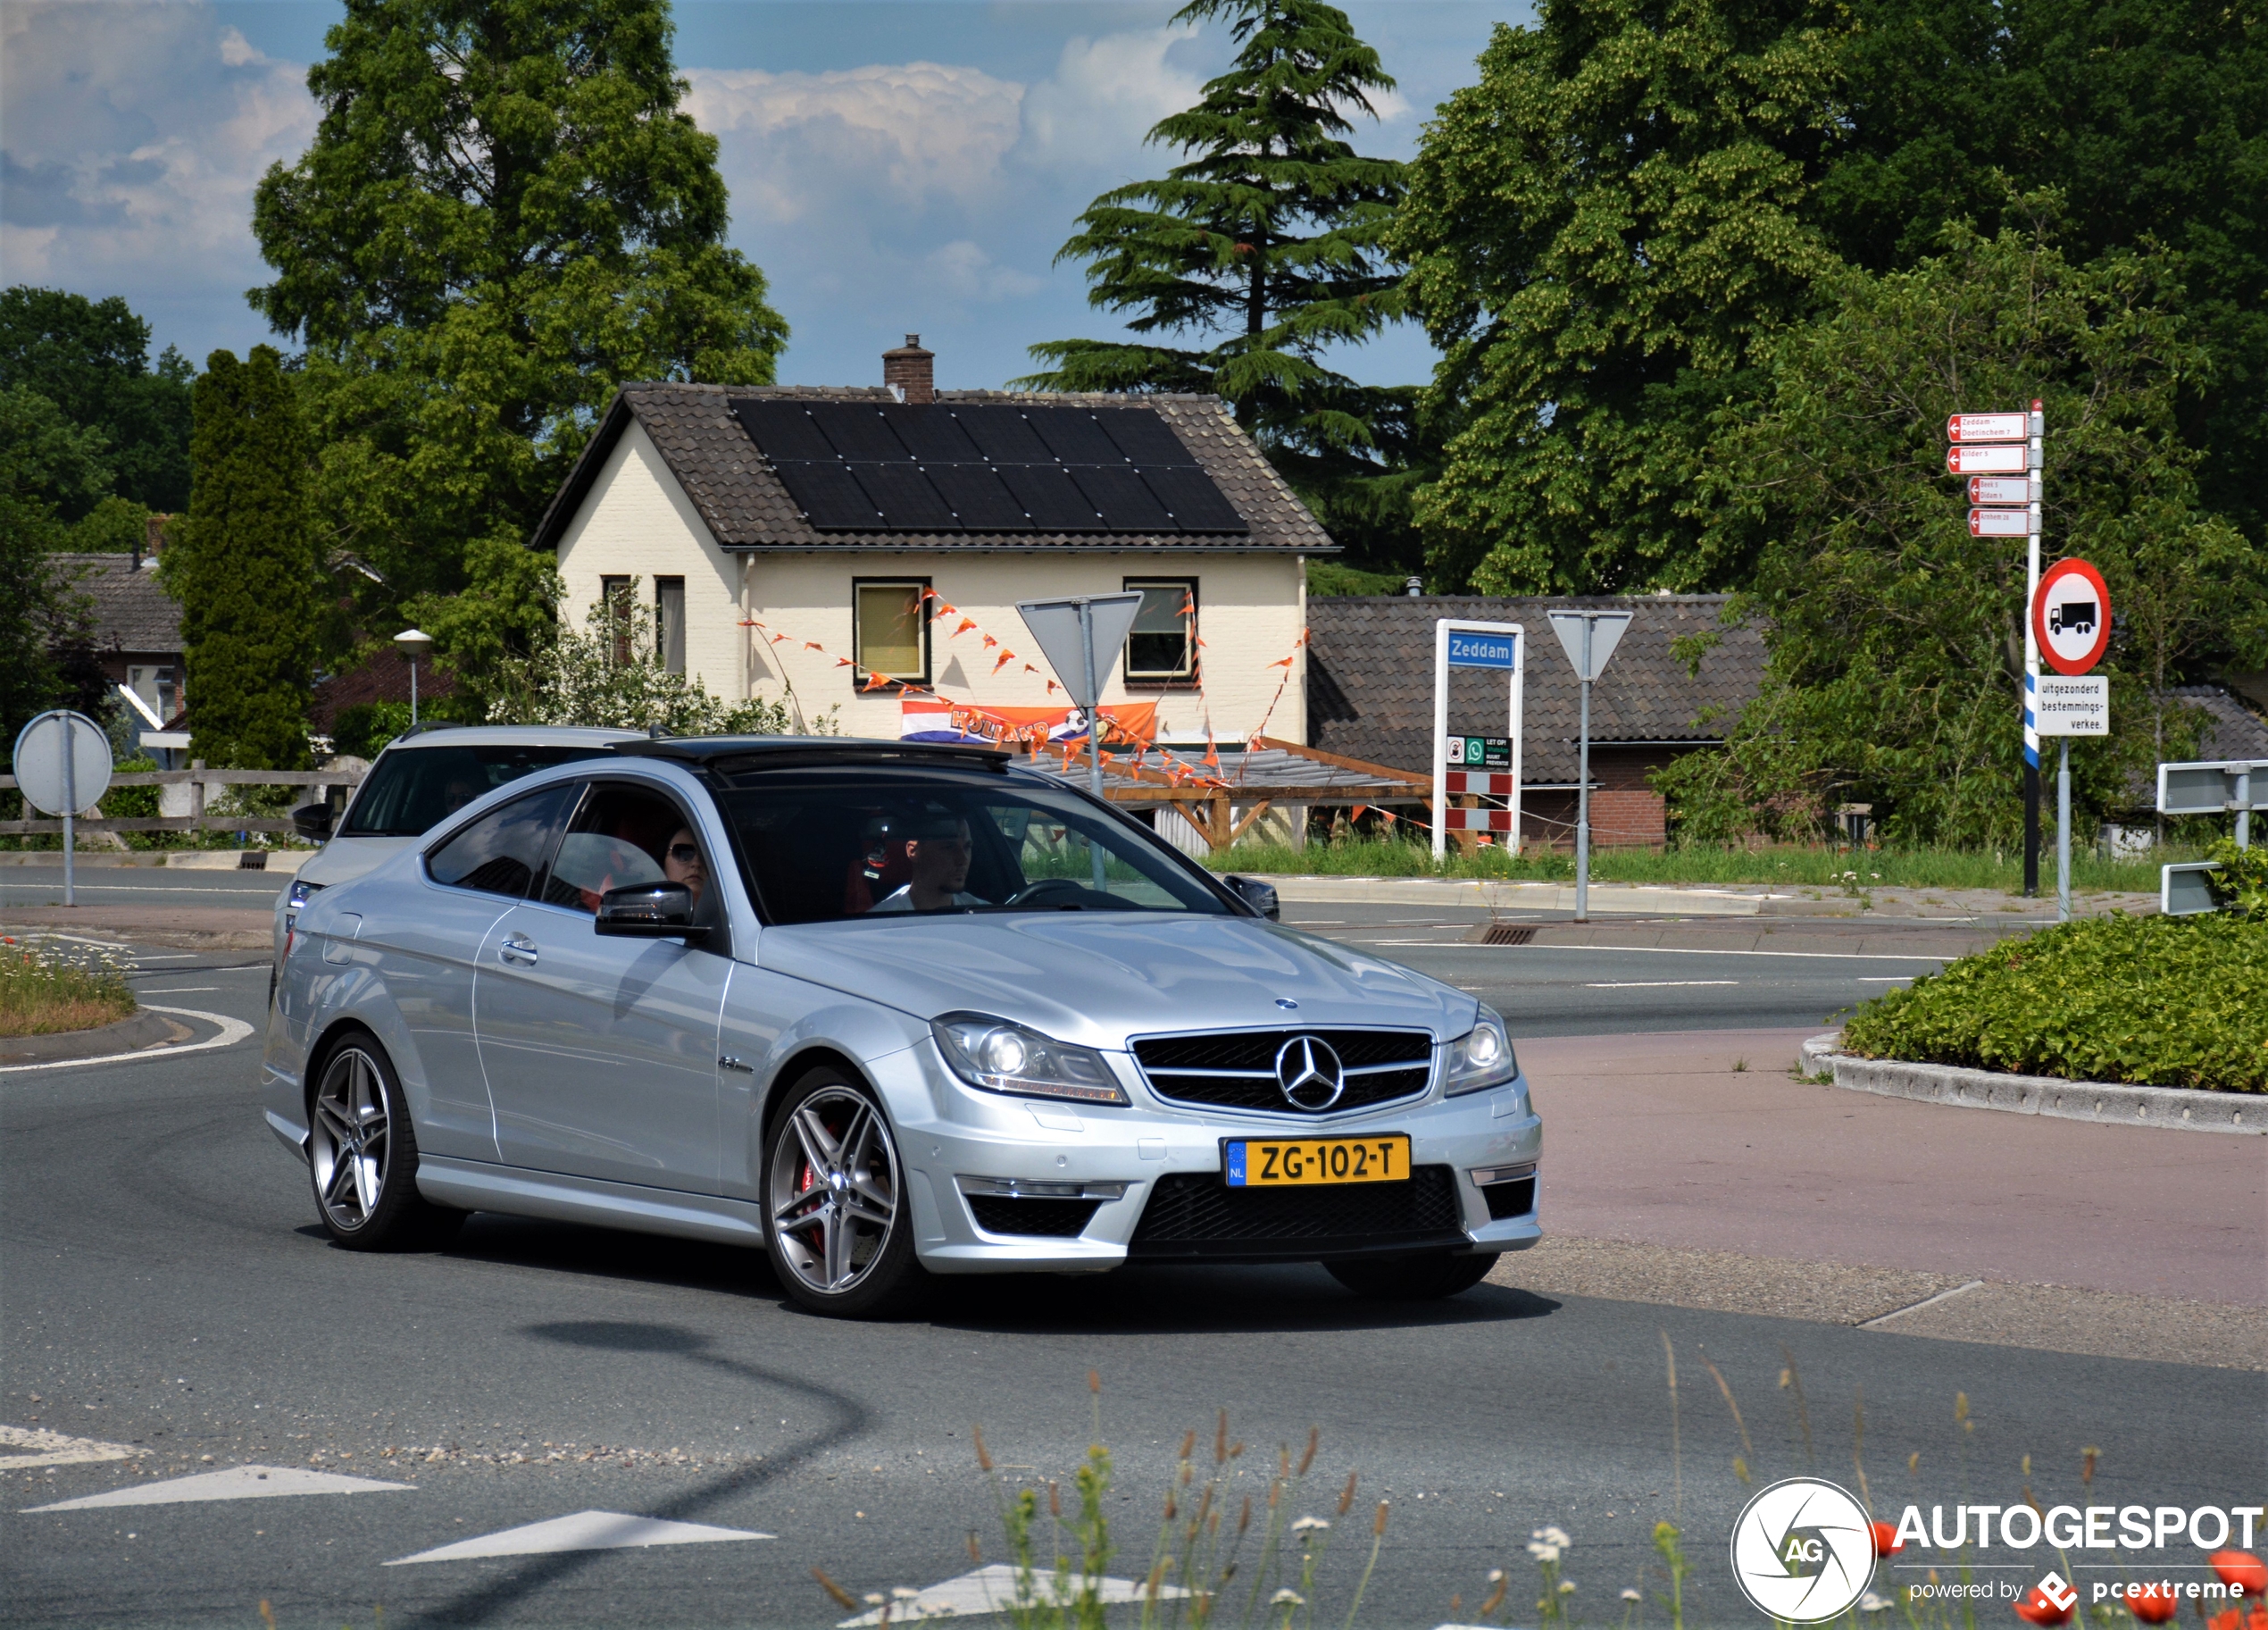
2154,1001
42,996
1785,866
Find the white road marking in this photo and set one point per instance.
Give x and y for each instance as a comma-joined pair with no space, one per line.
30,1446
584,1531
235,1482
1658,984
140,887
991,1590
232,1031
1882,979
1927,1301
181,989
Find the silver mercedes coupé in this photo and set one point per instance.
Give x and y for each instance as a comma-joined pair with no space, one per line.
889,1012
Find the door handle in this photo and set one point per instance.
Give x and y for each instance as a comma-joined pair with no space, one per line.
518,948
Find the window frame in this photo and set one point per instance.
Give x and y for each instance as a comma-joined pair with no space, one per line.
1153,678
618,592
567,806
663,628
862,669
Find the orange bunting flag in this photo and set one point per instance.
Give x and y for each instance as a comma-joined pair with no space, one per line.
990,642
1358,812
1212,752
876,682
1051,687
1286,663
966,624
843,662
1005,658
776,639
1107,758
814,645
1030,669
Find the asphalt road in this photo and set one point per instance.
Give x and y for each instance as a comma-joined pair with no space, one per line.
167,1289
108,885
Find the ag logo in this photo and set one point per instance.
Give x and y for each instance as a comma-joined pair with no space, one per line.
1802,1551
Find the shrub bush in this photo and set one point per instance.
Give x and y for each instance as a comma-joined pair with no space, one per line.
2156,1001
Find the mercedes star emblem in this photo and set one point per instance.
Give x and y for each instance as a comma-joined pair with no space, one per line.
1309,1072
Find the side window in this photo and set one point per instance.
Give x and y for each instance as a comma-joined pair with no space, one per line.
499,853
623,836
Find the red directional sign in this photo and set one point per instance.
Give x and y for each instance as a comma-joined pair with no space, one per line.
1989,460
1988,427
2071,616
2000,523
1999,489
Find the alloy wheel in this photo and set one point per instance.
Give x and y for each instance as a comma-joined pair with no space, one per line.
352,1142
834,1189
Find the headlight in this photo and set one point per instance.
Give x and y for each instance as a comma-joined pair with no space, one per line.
1480,1057
1000,1056
301,893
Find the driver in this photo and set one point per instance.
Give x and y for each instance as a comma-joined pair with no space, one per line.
937,850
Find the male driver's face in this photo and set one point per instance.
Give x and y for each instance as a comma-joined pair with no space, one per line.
941,866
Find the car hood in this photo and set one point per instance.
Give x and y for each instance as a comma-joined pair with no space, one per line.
343,859
1097,978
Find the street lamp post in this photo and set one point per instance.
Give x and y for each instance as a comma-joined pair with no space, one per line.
412,643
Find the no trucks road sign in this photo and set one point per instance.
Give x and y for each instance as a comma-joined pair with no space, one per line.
2071,616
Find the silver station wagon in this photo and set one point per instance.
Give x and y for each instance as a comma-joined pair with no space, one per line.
890,1013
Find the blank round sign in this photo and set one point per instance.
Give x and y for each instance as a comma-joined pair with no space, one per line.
40,762
2071,616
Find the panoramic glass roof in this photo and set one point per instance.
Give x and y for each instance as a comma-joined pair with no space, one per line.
985,467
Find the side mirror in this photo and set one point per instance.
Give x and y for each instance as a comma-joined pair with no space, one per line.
313,820
1260,897
649,911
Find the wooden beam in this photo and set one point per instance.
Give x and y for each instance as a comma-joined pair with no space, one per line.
1378,770
1252,814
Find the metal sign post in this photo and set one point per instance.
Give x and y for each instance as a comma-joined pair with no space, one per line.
2070,622
1503,646
63,765
1589,639
1071,633
2008,445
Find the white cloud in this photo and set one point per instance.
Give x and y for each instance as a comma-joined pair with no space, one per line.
963,269
1093,112
133,137
894,135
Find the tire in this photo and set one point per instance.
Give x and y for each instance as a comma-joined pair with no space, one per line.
836,1219
1427,1276
363,1155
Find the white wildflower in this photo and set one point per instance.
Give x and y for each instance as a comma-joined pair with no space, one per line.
1871,1603
1554,1536
1288,1598
1566,1587
1495,1574
1309,1524
1543,1553
1632,1596
904,1592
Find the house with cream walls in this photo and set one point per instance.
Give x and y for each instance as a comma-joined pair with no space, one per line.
803,543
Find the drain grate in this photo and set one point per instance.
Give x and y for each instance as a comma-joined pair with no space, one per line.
252,860
1506,933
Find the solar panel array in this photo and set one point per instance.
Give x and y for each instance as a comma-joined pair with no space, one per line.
987,467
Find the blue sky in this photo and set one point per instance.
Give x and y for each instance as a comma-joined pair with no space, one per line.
896,165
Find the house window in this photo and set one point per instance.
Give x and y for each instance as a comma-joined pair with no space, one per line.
669,622
614,593
1163,646
154,686
890,635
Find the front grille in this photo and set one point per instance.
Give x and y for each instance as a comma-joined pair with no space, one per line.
1237,1070
1196,1214
1057,1219
1514,1198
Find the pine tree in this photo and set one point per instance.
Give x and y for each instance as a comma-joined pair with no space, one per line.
1267,242
245,566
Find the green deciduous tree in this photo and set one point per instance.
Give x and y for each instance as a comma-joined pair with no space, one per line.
504,214
244,562
1601,232
2149,116
1261,251
91,359
1896,641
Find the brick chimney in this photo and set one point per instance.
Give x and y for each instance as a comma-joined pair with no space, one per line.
907,371
152,543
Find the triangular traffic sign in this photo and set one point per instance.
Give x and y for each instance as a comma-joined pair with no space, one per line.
1606,633
1054,624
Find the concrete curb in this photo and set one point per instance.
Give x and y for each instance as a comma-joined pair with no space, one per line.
142,1030
2113,1103
1620,898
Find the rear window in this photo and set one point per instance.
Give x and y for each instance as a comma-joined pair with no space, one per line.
410,789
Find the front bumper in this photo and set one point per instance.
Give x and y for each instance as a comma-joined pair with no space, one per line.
977,1162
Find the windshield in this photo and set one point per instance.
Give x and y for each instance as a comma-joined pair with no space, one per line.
824,845
411,789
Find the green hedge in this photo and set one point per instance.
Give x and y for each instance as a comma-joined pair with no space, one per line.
2159,1001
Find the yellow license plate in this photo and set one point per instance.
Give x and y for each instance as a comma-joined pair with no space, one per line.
1290,1163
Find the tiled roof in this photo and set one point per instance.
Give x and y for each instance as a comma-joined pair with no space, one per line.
1370,684
384,677
747,508
131,612
2233,730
